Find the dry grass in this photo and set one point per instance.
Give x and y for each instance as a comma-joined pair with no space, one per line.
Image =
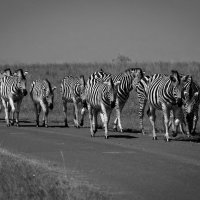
23,178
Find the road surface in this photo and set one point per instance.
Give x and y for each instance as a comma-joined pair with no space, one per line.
128,166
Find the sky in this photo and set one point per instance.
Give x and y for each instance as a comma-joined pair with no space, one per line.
56,31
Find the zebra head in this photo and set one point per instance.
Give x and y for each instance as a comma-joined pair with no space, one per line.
7,72
178,84
190,102
112,91
21,80
137,74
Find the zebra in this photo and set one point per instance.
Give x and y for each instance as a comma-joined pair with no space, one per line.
141,90
191,107
42,95
128,79
12,90
100,98
6,72
165,92
70,92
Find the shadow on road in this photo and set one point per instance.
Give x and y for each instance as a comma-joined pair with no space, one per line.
125,136
183,138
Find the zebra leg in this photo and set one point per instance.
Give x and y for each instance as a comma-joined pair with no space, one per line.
37,113
117,121
181,128
6,112
76,124
166,113
83,110
105,116
189,123
12,110
196,117
17,112
102,118
117,115
45,110
90,112
94,121
152,117
65,113
141,115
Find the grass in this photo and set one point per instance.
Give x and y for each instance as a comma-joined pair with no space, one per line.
23,178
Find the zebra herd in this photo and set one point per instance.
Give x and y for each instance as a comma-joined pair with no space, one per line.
177,95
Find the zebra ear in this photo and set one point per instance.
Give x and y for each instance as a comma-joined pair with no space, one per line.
117,83
196,94
25,73
185,78
82,81
174,77
186,94
53,88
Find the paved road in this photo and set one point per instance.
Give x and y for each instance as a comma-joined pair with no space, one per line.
129,166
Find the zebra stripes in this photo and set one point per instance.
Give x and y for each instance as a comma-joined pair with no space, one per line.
70,92
141,89
128,80
191,107
163,93
12,90
42,95
100,98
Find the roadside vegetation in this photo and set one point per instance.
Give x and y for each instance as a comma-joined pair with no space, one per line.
23,178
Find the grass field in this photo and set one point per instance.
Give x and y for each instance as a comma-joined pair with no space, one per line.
56,72
23,178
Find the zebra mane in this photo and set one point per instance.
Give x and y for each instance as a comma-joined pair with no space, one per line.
174,73
7,71
19,73
49,84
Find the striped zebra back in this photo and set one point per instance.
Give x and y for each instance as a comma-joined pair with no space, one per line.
70,88
42,91
102,92
166,89
128,79
192,98
14,86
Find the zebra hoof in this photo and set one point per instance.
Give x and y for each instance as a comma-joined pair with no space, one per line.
8,125
174,134
37,125
12,123
115,129
166,139
46,125
77,126
66,125
106,137
17,125
155,138
193,133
